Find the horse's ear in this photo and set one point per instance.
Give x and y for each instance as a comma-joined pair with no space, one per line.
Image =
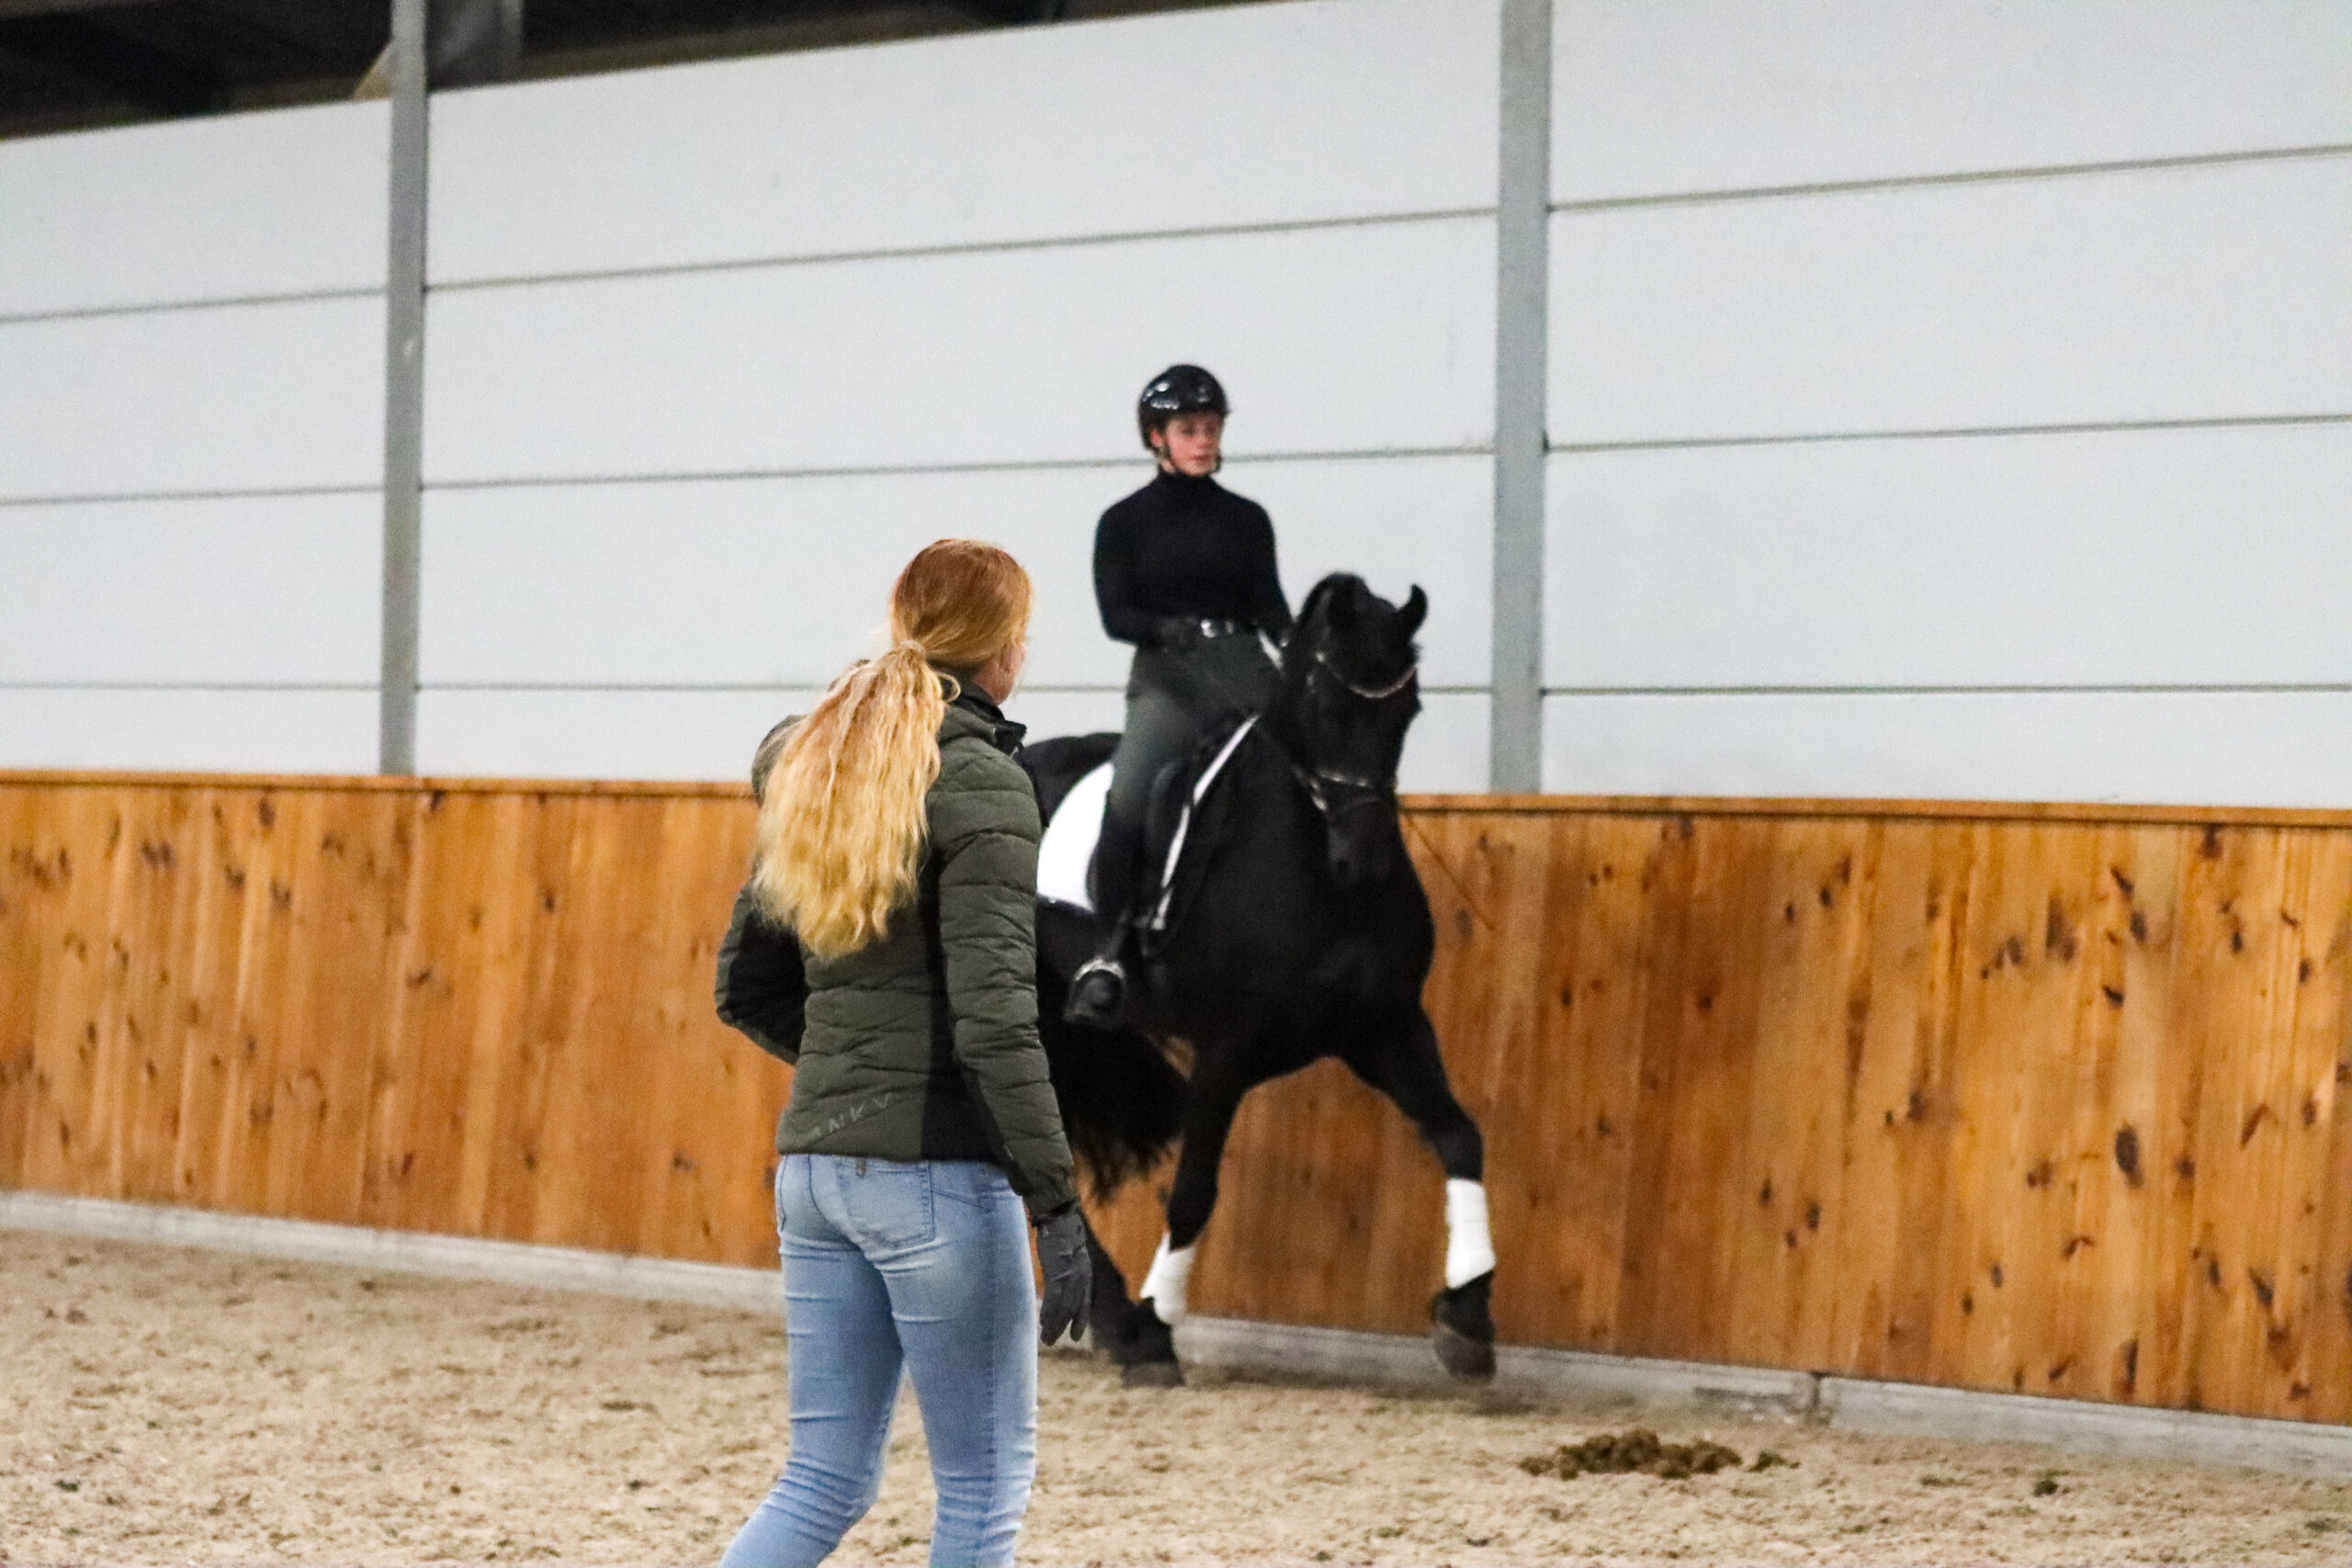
1314,601
1415,611
1346,596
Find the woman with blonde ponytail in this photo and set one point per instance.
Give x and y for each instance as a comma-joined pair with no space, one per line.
885,946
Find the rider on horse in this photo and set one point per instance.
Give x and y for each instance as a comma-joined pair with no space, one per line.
1184,569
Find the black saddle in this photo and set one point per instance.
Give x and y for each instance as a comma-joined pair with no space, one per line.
1204,824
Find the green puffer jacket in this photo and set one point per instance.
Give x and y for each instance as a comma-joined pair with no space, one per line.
922,1045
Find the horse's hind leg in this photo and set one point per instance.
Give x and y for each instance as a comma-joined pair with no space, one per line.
1108,1310
1403,1063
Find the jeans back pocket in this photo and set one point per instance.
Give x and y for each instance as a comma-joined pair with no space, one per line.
886,1204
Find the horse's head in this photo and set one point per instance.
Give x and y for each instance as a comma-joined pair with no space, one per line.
1350,687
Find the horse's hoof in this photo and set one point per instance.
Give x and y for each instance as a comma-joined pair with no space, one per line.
1461,1356
1152,1375
1462,1328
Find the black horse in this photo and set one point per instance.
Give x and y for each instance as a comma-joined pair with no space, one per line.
1297,929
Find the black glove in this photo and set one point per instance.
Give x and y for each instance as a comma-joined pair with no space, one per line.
1068,1269
1177,634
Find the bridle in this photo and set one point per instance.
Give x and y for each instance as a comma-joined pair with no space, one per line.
1370,694
1334,791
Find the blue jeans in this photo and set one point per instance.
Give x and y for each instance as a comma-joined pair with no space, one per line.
924,1266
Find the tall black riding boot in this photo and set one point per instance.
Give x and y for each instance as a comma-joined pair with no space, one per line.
1099,990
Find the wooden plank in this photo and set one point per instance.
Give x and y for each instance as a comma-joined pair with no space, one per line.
2307,1021
718,1098
30,924
2118,1166
1810,1029
1653,1292
208,1042
1584,1083
1901,1111
2324,1014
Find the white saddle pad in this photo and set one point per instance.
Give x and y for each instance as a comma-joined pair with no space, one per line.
1067,848
1066,851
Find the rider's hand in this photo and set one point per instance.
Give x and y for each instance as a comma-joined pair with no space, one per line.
1069,1276
1177,634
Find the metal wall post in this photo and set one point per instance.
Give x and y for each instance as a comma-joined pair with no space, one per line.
1522,292
403,392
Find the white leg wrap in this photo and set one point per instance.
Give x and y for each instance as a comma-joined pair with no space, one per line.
1164,1286
1469,1249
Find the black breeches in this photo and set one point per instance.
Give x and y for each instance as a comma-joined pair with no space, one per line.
1175,699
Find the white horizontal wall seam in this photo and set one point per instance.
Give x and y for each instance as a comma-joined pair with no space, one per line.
178,307
968,248
1037,689
885,471
2254,688
1959,178
6,685
265,492
1966,433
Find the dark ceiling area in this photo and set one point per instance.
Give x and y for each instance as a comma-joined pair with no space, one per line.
65,65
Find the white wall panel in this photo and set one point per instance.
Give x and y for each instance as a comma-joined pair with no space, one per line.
782,581
1396,522
2191,748
283,589
2142,558
286,202
597,735
711,734
1361,338
2152,295
243,396
1719,95
1446,750
190,731
739,582
1241,115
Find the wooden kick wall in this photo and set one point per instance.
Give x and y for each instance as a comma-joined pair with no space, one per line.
2018,1098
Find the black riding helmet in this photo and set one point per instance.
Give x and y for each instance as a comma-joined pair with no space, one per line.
1180,389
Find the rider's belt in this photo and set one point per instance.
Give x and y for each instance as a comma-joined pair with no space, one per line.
1225,628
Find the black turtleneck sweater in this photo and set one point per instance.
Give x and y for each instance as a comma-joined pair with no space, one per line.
1186,548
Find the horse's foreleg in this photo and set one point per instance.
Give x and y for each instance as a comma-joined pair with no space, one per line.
1210,1104
1404,1063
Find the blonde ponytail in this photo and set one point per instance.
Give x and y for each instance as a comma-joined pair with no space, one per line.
841,821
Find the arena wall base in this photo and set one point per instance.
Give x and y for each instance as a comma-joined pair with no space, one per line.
1398,1361
408,1252
1850,1404
2120,1430
1633,1383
